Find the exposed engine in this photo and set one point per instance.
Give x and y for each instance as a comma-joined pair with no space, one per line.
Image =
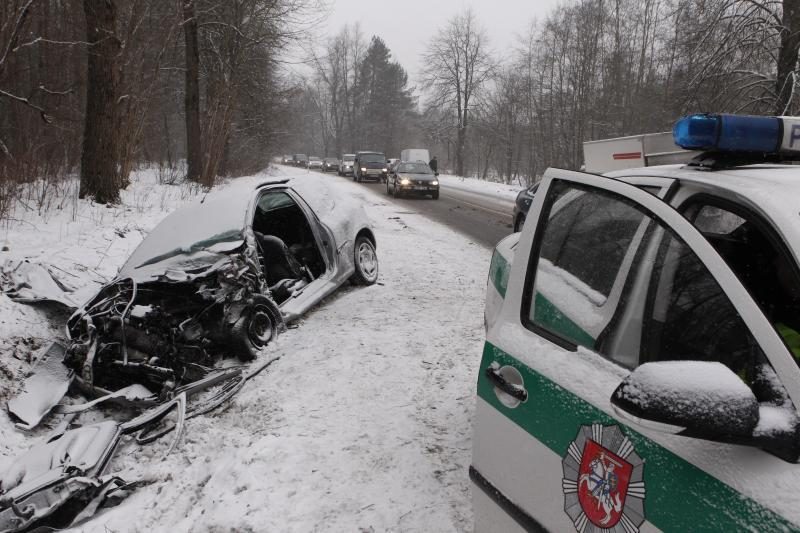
168,332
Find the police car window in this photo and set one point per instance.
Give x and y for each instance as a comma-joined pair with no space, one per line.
766,271
587,240
711,219
664,305
585,246
689,317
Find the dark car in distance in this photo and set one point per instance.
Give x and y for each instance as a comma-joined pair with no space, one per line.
370,166
413,178
300,160
521,206
330,164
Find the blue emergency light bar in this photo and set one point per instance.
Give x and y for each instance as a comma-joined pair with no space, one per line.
738,134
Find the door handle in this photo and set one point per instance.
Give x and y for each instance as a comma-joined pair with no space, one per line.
515,391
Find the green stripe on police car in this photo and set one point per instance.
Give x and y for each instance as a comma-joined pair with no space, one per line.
680,496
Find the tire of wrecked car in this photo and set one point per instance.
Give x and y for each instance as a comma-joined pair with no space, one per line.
365,261
255,328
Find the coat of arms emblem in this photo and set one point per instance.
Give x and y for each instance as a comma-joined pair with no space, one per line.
603,481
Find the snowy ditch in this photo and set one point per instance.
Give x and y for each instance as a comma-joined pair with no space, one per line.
362,424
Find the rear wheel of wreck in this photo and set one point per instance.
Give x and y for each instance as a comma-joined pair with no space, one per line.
366,262
255,328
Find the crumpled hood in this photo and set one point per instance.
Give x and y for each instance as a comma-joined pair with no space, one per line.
193,236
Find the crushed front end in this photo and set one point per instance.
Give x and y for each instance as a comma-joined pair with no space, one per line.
168,329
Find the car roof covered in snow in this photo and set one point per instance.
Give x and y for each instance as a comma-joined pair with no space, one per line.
770,189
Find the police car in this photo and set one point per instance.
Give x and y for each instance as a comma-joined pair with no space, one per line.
640,367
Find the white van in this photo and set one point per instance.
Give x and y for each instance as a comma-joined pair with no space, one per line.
412,155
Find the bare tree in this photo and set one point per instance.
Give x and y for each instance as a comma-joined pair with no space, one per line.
457,65
99,174
786,75
194,153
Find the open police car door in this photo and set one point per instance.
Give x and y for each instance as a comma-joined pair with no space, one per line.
630,382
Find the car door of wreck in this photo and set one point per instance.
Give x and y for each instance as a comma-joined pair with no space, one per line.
607,278
326,282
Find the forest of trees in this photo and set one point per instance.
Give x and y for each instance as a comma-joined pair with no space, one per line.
591,69
97,88
94,89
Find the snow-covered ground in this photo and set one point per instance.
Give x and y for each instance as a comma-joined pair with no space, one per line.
483,187
362,425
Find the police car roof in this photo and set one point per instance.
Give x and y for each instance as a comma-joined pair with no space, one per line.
772,189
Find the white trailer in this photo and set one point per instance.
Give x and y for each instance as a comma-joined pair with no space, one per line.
635,151
413,155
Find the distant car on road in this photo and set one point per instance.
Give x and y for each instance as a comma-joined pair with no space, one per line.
330,164
300,160
521,206
413,178
287,159
370,166
346,165
314,163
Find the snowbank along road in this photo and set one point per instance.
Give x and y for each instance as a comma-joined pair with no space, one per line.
362,425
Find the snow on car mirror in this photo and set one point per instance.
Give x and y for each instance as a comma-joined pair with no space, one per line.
694,398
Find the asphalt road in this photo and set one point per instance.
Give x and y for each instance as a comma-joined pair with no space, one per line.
484,219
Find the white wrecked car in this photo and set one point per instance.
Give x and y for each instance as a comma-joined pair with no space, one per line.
219,276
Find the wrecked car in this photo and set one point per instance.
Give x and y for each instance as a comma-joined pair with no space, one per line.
220,276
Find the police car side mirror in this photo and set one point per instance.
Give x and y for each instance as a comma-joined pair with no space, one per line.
699,399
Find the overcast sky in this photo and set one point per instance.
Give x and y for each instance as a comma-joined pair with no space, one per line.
407,25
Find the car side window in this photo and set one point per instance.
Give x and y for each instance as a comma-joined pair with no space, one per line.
588,239
616,280
689,317
585,250
752,250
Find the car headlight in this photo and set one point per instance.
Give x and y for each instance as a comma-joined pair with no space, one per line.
363,169
386,170
434,182
405,181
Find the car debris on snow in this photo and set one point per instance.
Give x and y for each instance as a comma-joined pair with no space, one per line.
197,289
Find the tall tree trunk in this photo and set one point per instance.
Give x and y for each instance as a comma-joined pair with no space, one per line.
787,56
461,139
99,173
194,150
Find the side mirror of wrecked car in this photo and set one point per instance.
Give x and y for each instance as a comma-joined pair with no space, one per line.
694,398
